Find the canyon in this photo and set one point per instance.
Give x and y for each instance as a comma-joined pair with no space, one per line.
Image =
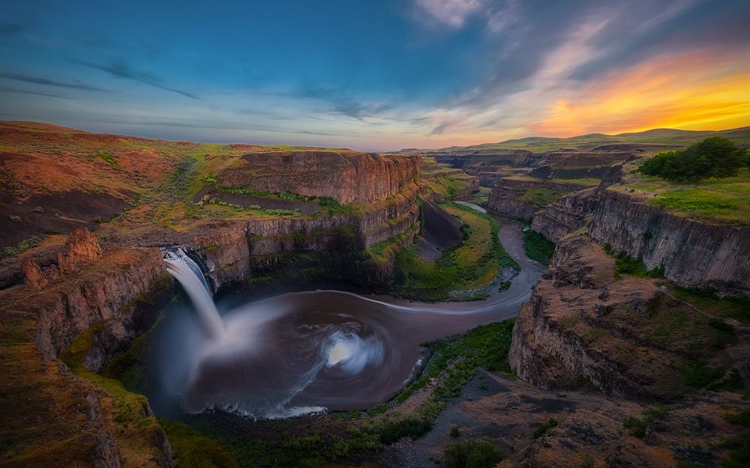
594,345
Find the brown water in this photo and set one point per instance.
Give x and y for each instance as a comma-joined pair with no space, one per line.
317,350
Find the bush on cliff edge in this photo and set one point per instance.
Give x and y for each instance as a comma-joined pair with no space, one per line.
714,157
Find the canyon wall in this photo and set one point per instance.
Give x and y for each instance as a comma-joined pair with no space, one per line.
507,197
693,254
504,200
346,176
232,251
585,327
568,214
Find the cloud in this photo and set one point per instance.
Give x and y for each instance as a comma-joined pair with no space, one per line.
45,81
121,69
10,89
451,13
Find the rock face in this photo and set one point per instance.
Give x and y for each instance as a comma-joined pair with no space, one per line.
234,251
568,214
552,344
81,248
692,254
505,201
347,177
70,306
506,198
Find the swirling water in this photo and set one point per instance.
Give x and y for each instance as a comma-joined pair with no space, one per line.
314,351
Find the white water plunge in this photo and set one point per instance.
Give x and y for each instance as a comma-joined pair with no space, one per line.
190,276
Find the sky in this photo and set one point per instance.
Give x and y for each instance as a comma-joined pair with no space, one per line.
375,74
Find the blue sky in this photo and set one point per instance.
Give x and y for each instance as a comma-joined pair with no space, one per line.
375,74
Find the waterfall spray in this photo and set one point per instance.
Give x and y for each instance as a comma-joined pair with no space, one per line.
189,274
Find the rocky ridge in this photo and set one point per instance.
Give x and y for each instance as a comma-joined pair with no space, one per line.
347,177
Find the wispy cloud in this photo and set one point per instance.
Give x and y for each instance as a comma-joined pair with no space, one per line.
10,89
46,81
451,13
497,15
121,69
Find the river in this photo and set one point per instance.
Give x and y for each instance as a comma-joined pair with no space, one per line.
317,350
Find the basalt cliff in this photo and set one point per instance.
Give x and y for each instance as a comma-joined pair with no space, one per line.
73,302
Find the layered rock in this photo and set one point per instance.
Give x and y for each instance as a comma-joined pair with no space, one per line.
568,214
692,254
81,248
506,198
347,177
627,336
232,250
99,293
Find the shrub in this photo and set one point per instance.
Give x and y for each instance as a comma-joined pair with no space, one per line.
539,431
538,247
473,454
715,157
412,427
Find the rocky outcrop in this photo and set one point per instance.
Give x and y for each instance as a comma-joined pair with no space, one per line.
346,176
504,200
231,250
81,248
507,197
628,336
97,294
692,254
568,214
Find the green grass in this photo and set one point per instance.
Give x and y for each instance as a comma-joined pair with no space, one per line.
486,346
22,246
538,247
725,201
107,156
540,197
448,187
471,265
679,138
627,265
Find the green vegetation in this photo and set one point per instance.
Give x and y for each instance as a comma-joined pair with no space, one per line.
472,264
638,427
541,430
538,247
22,246
107,156
659,137
457,358
540,197
739,445
192,449
133,425
412,427
627,265
474,453
714,157
448,186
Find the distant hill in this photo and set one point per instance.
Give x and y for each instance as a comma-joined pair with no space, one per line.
650,140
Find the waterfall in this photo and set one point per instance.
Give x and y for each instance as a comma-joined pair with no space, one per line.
189,274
